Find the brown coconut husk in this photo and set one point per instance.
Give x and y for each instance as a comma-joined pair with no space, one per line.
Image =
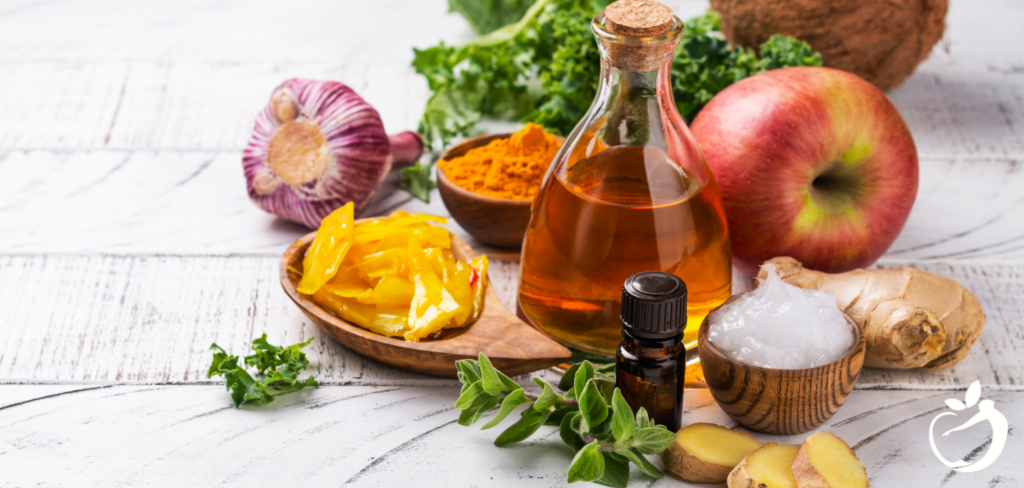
881,41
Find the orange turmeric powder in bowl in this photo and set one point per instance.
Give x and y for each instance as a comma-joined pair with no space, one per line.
511,168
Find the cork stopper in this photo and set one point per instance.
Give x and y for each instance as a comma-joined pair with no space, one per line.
638,18
635,25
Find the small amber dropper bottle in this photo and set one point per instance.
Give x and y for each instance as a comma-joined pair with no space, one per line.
650,363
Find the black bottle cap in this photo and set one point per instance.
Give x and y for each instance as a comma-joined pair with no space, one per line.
654,305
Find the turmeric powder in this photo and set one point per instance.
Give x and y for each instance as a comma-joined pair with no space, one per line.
511,168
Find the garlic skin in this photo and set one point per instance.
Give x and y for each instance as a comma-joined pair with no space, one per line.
316,146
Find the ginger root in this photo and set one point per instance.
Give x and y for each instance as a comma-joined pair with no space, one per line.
825,461
767,466
706,453
909,318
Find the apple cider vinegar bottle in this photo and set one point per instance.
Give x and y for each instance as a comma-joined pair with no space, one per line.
629,191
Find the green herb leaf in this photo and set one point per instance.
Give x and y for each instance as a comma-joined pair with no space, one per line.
583,374
592,407
615,435
513,400
469,368
489,15
616,471
506,383
642,420
569,435
416,180
548,397
653,440
556,417
279,368
587,465
531,420
483,403
568,379
623,424
469,396
491,381
641,462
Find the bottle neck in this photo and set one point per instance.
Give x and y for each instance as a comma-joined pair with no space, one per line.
652,348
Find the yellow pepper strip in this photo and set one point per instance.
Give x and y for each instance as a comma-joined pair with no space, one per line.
432,306
479,286
459,287
428,236
389,262
394,291
397,220
325,254
386,321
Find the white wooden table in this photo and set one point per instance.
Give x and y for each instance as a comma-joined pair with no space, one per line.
127,246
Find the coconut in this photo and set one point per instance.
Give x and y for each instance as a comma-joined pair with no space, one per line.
881,41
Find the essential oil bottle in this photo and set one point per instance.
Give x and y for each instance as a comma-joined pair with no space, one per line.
650,363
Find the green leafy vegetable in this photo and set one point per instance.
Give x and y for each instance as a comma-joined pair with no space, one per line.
706,64
596,423
416,180
278,368
489,15
544,68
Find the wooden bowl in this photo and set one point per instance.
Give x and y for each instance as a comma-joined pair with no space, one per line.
498,222
779,401
512,346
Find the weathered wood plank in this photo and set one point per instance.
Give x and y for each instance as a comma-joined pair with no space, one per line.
164,77
152,319
195,203
203,106
377,436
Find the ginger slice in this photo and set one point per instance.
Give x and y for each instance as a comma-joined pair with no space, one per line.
768,466
706,453
825,461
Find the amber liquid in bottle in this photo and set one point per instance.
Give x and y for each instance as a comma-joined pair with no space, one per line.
619,212
629,191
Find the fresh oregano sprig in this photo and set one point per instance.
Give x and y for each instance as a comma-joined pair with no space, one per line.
593,418
278,369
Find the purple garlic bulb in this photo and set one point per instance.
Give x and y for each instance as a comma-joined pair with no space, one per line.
316,146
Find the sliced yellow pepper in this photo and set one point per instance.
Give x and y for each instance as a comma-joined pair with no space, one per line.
394,290
395,276
386,321
325,254
432,306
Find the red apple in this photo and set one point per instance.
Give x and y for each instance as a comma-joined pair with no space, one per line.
813,163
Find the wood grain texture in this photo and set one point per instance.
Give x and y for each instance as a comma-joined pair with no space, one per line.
511,345
779,401
497,222
141,202
386,436
152,318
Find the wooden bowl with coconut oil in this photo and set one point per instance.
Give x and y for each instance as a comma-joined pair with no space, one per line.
779,401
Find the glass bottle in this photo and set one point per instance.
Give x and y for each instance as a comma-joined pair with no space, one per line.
650,362
628,191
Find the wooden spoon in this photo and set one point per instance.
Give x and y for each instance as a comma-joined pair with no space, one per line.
513,346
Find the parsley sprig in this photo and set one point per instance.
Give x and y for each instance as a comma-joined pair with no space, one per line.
278,370
594,419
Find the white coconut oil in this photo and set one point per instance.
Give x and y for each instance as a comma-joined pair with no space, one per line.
781,326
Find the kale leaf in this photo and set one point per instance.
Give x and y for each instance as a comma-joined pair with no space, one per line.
544,68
